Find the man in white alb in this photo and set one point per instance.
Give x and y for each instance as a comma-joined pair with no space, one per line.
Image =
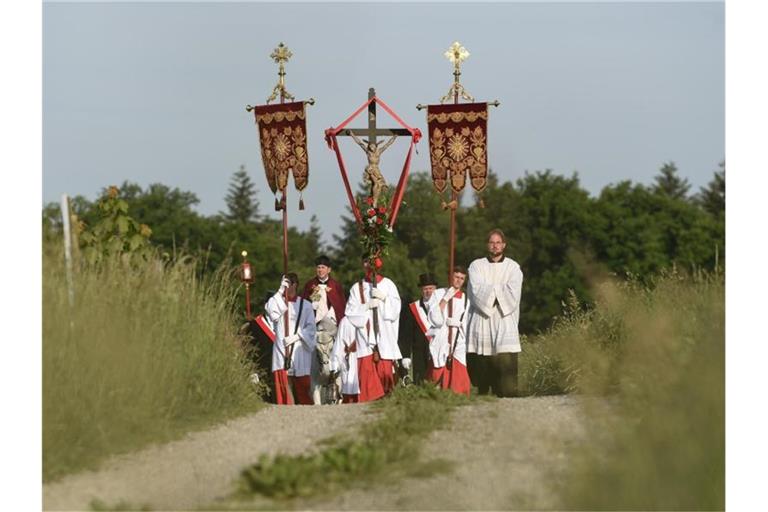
373,308
448,347
493,341
294,323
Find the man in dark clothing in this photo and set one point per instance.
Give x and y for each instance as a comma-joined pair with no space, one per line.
260,337
415,327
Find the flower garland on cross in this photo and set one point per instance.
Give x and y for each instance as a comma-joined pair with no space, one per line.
375,232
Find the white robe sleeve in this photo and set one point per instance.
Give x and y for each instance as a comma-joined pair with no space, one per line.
508,293
482,293
307,328
337,353
436,317
390,308
275,308
356,311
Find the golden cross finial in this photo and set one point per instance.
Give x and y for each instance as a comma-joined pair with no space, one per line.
280,55
456,54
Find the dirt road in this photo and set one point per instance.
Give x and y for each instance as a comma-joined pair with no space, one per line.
517,466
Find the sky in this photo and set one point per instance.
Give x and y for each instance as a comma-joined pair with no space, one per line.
154,93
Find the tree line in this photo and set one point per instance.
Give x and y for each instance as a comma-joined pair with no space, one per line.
563,238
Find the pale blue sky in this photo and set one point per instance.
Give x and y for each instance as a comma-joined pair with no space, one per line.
156,92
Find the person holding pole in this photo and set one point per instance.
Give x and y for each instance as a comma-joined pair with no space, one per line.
448,347
493,341
294,343
373,308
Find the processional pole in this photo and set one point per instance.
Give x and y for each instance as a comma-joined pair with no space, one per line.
282,132
457,140
457,54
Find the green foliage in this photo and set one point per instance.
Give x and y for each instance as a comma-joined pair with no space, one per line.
382,446
375,234
147,352
563,238
658,352
669,184
712,197
241,200
115,234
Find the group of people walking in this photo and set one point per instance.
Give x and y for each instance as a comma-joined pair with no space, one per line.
358,345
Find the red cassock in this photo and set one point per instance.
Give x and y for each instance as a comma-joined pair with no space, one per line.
334,293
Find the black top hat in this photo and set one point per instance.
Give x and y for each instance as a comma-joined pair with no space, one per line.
427,279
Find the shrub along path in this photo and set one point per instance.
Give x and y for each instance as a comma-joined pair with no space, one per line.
519,464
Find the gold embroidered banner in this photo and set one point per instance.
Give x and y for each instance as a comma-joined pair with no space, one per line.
458,144
283,136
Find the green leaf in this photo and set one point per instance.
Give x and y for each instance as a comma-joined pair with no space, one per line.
123,224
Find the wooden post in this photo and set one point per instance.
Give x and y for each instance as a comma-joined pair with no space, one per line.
67,248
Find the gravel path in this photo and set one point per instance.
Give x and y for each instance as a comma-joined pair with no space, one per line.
202,467
518,467
519,464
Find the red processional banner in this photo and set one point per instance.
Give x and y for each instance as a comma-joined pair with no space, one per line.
458,145
283,136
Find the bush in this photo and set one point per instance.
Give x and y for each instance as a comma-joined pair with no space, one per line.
658,353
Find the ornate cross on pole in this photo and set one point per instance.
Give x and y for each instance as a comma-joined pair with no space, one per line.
373,149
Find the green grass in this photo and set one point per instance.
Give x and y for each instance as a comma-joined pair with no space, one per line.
658,354
146,354
380,449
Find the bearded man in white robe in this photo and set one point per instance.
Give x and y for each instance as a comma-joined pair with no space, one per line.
493,341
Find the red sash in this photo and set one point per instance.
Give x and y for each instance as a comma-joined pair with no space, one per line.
415,312
261,322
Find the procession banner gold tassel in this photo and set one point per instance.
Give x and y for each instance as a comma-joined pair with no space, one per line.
301,200
277,205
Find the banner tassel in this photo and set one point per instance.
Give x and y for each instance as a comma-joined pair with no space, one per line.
277,205
301,200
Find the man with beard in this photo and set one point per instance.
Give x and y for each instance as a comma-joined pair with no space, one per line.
493,341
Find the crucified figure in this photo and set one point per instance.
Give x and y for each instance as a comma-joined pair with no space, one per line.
372,172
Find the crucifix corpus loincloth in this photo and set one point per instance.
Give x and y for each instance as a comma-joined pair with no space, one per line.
373,149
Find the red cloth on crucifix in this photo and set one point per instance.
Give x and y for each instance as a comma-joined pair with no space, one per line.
397,199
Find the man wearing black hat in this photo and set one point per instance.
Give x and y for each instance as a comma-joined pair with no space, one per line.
416,330
328,303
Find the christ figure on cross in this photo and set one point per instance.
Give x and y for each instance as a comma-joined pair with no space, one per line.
372,172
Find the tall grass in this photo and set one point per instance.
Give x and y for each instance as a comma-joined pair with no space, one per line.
146,353
658,354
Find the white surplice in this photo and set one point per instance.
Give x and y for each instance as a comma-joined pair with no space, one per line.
494,306
388,319
440,345
304,349
344,361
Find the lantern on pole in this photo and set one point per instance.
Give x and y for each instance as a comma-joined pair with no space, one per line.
246,276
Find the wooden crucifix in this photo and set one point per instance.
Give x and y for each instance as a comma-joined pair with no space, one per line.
373,149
